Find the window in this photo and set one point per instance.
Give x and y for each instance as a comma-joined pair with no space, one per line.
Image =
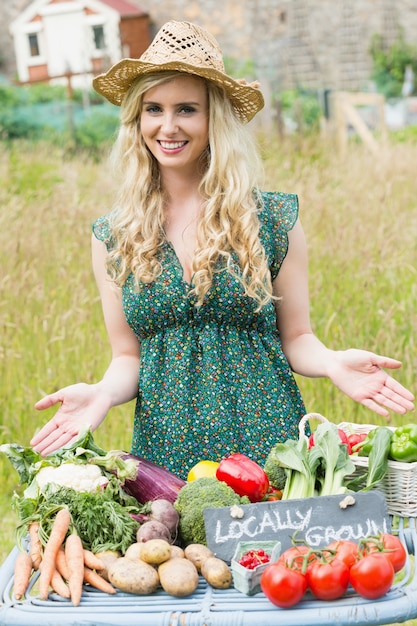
99,41
33,45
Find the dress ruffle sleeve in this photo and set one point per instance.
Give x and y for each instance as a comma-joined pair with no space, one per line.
101,230
278,214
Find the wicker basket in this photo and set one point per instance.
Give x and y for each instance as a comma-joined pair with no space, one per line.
399,485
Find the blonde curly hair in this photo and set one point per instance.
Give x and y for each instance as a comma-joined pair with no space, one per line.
229,227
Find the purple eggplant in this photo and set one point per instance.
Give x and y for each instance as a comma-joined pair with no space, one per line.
140,478
152,482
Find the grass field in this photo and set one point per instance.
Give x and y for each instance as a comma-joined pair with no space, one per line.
360,218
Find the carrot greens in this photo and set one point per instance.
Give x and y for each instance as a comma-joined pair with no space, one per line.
102,519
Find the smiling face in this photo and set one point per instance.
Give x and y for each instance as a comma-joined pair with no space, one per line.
174,122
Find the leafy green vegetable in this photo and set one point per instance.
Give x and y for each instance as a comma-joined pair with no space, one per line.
378,448
294,458
331,458
84,450
102,519
316,471
378,456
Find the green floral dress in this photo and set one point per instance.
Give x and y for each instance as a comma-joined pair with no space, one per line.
213,379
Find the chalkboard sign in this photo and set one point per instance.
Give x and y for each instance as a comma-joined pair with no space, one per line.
318,521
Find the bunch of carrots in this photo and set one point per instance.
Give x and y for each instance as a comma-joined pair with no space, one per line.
64,564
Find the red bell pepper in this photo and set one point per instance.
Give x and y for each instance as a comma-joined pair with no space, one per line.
244,476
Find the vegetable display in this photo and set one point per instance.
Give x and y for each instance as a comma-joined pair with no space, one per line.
117,522
76,504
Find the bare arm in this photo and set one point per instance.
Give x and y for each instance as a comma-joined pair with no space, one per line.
357,373
120,382
82,404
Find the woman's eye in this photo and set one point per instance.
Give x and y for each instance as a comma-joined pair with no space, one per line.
187,109
152,108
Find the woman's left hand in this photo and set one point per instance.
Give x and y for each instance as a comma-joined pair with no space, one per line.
360,375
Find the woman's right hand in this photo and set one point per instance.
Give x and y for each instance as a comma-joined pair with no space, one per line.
82,405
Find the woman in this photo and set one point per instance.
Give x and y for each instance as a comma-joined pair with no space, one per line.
202,277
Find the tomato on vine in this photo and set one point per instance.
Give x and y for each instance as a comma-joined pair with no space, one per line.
282,585
389,545
328,580
296,556
372,575
344,550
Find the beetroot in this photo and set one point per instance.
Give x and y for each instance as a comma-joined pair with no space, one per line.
163,511
153,530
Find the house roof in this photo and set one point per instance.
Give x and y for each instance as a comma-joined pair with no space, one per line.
124,8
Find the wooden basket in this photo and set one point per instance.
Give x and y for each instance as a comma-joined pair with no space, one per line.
399,485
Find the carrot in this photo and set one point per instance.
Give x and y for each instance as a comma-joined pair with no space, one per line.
92,561
74,553
59,585
61,563
57,582
35,545
56,538
97,581
22,572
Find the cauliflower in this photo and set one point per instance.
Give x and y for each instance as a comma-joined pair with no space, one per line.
80,477
196,496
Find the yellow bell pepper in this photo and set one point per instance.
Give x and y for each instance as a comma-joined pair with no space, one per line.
203,469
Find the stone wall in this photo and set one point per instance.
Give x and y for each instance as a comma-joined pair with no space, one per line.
320,44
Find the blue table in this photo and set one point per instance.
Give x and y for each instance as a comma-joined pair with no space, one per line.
212,607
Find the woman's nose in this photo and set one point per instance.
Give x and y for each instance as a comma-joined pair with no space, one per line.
169,123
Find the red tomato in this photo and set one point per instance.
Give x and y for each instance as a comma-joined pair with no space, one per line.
396,551
282,585
344,550
342,436
328,581
273,494
294,557
391,546
355,439
372,575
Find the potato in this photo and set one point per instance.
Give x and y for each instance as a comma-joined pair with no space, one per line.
216,572
197,553
135,577
107,557
176,551
178,577
155,551
134,550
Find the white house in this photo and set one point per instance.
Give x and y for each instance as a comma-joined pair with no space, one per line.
55,39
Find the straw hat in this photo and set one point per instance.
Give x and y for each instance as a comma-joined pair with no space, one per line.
183,47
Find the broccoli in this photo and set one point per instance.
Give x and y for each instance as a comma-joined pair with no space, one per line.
196,496
275,472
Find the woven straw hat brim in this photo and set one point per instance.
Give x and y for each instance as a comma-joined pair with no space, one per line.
115,83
